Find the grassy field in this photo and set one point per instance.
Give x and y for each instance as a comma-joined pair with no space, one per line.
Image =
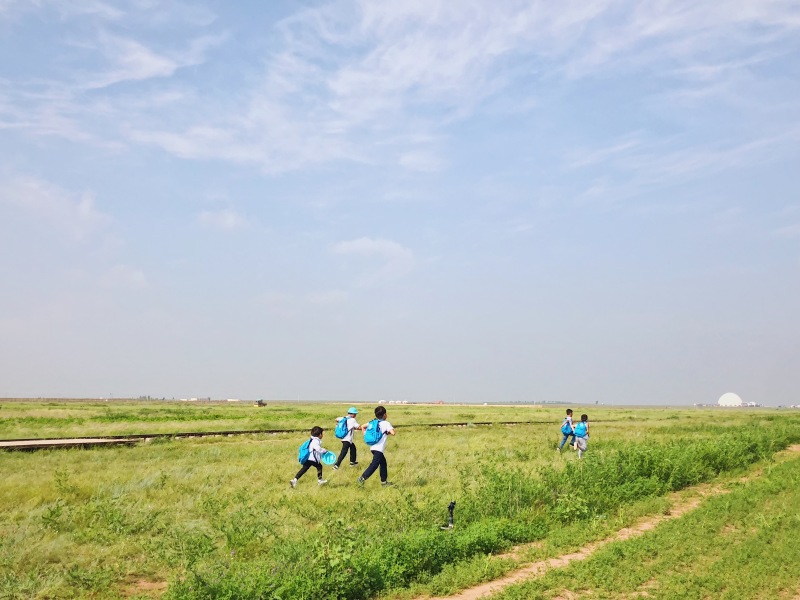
215,517
53,418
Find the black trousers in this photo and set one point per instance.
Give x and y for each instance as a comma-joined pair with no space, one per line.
345,447
378,460
306,466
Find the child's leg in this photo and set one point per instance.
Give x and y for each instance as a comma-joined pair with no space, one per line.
343,453
376,461
319,470
306,466
563,441
352,453
384,468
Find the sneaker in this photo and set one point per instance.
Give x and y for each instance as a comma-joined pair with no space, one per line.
335,467
386,483
293,482
322,481
354,464
361,481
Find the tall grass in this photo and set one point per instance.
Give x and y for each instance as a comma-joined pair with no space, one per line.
506,507
216,517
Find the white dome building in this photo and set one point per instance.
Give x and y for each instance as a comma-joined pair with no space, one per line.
730,399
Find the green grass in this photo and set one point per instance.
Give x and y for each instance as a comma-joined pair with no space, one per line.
216,518
738,545
41,419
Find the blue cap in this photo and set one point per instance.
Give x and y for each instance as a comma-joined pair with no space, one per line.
352,410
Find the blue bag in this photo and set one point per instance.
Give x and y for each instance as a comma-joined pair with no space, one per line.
565,428
341,430
304,452
580,429
373,433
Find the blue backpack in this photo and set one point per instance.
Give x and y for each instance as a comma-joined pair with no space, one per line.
580,429
304,452
373,433
565,428
341,430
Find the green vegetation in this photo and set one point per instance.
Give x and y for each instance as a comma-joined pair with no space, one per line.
737,545
215,517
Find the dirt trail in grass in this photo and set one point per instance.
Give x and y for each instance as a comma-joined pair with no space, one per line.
679,507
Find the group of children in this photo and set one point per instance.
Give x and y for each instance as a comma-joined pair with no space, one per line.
375,433
579,433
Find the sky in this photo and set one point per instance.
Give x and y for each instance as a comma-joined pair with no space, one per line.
510,201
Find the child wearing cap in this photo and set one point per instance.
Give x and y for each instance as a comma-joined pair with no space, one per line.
378,449
582,434
315,452
347,440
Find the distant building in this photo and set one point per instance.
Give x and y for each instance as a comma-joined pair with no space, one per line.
729,399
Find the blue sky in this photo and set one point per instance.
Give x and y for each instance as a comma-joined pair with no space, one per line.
581,201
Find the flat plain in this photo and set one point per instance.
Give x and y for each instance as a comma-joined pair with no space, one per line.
214,517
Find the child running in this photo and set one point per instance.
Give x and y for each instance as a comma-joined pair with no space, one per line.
567,430
582,433
378,449
347,441
315,452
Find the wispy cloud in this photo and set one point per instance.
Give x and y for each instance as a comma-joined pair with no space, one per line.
396,259
72,212
352,80
225,219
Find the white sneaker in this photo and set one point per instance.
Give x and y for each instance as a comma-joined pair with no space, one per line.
293,482
322,481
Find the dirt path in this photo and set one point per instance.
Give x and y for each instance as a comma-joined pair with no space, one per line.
679,507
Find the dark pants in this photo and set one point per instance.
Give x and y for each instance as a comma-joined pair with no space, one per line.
566,435
306,466
345,447
378,460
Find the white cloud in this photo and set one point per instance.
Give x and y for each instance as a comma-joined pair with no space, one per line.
130,61
225,219
68,211
352,80
421,160
397,260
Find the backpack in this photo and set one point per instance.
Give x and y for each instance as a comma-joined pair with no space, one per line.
565,428
304,452
341,430
580,429
373,433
